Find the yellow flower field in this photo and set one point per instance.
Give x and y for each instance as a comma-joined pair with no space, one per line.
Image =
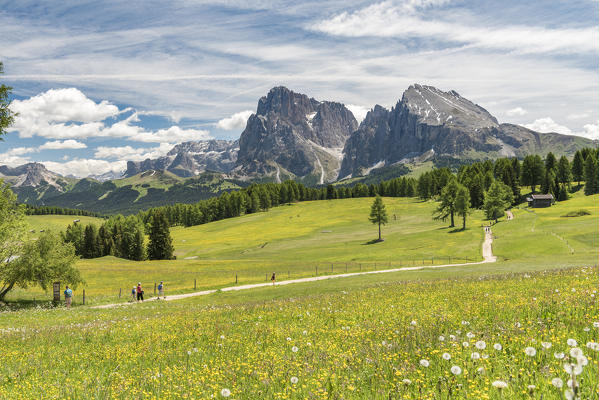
510,336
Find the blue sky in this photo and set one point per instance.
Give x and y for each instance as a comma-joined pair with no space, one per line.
101,82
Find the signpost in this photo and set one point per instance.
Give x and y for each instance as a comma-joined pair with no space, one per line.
56,291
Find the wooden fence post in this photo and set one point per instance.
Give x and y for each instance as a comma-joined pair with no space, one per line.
316,269
331,268
83,296
154,288
120,293
194,283
236,279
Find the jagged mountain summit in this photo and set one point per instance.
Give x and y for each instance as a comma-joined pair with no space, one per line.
294,136
191,158
32,175
428,121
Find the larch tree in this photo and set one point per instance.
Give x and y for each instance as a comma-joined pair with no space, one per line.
462,204
160,246
378,214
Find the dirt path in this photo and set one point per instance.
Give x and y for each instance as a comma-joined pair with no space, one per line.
487,250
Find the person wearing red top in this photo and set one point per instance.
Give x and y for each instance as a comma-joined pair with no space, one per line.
140,292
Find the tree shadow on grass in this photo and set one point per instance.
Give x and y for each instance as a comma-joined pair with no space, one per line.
456,230
374,241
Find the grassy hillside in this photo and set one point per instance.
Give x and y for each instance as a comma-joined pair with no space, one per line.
129,195
294,241
58,223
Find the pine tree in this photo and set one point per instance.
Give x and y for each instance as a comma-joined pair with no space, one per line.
462,203
589,175
160,246
578,167
378,214
90,242
446,208
498,198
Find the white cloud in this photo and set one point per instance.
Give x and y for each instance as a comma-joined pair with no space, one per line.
387,19
69,114
236,121
591,131
66,144
358,111
581,115
132,154
518,111
19,151
547,125
85,167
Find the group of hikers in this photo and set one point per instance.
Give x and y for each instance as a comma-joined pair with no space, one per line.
137,293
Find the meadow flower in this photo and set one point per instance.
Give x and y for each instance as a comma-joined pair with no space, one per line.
596,324
499,384
225,392
188,352
470,335
465,344
406,381
456,370
294,380
441,338
586,329
530,351
572,342
481,370
569,394
557,382
452,338
475,356
413,323
424,363
559,356
575,352
546,345
497,346
222,337
582,361
531,387
573,369
446,356
517,324
484,356
288,339
294,349
480,345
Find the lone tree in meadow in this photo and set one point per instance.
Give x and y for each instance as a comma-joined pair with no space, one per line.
497,199
447,206
160,246
462,204
25,262
378,214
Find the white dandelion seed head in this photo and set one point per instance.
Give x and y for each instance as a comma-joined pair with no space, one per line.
413,323
530,351
569,394
531,387
470,335
446,356
546,345
484,356
586,329
188,352
289,339
499,384
582,361
475,355
481,345
424,363
557,382
452,338
559,356
572,342
575,352
225,392
294,380
406,381
195,350
497,346
481,370
456,370
517,324
304,333
222,337
465,344
595,324
441,338
294,349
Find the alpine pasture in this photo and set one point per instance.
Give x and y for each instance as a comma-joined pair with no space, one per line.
526,326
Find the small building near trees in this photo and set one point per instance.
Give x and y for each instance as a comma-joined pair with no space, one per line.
540,200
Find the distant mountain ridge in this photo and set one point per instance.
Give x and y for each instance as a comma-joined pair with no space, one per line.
293,136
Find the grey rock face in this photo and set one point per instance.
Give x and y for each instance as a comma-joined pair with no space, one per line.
30,175
294,135
428,120
191,158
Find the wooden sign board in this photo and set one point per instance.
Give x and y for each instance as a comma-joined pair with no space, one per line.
56,288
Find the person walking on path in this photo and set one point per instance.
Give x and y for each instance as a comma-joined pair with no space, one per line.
273,279
68,296
140,292
161,290
133,292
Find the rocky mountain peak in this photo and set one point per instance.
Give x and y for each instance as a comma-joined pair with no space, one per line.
31,174
435,107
